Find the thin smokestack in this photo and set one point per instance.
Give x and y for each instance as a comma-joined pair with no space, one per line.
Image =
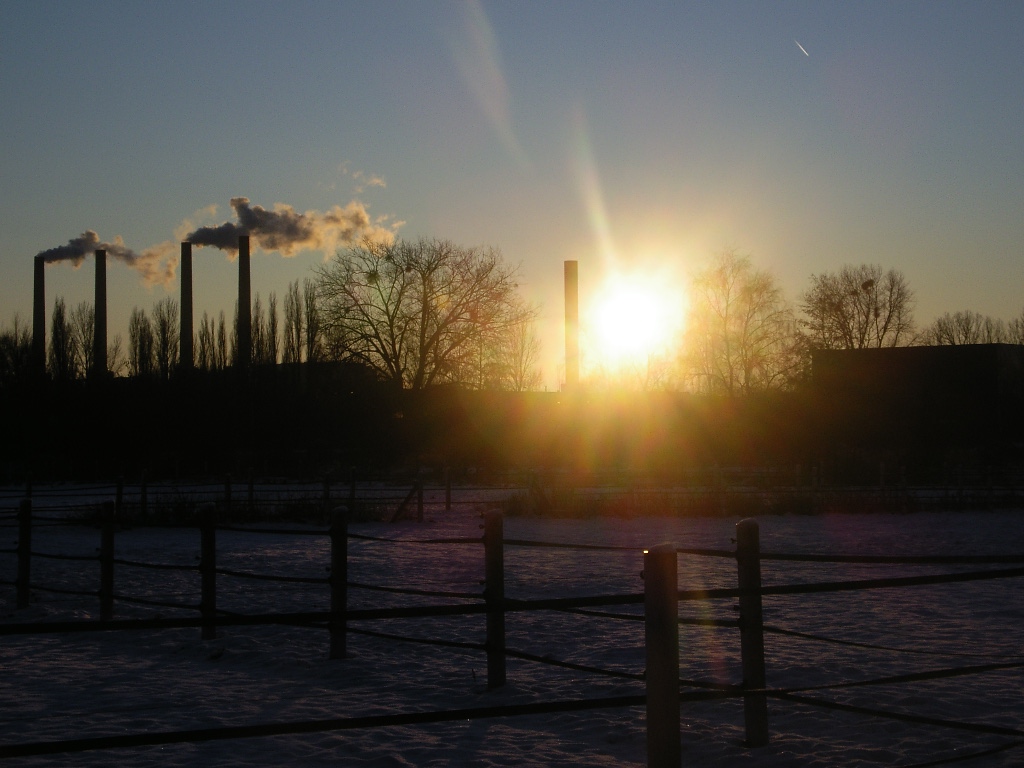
244,350
39,318
99,342
572,325
185,335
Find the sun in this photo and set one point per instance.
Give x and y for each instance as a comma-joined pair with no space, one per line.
632,318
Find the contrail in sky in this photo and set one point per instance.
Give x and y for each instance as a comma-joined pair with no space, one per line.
801,48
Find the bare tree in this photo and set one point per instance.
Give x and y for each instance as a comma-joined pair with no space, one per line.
519,352
741,335
272,336
966,328
1015,330
859,307
311,315
417,312
83,326
117,363
220,357
206,355
63,353
141,344
503,358
259,332
165,336
15,353
293,324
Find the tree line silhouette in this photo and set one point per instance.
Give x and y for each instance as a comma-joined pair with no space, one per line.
425,352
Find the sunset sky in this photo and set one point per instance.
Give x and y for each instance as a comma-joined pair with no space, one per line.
629,136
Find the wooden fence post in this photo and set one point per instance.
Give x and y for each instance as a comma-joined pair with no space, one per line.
24,552
494,594
107,562
748,561
339,583
661,637
208,569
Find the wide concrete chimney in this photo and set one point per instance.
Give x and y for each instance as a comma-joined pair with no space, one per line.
572,325
39,318
244,350
99,338
187,361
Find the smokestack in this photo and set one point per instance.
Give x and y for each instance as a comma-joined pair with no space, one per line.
39,318
99,339
187,361
244,350
572,325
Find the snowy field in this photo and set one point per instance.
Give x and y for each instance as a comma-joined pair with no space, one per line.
111,683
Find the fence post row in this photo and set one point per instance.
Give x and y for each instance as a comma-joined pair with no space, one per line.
208,569
661,638
107,562
24,552
748,562
339,583
494,595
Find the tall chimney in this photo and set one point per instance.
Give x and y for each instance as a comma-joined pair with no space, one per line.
187,360
39,319
244,351
99,339
572,326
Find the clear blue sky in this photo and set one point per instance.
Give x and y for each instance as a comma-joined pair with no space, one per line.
807,134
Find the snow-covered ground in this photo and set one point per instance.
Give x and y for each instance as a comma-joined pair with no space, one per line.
97,684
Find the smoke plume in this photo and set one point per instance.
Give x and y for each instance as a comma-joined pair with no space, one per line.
156,265
286,231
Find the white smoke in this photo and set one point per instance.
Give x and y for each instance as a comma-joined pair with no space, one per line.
287,231
156,265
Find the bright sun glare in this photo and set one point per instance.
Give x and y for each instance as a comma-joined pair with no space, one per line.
633,318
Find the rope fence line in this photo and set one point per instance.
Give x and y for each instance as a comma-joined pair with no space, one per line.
57,556
876,647
967,757
274,531
267,577
62,591
997,730
897,559
573,666
155,566
419,592
387,540
420,640
313,726
579,604
157,603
